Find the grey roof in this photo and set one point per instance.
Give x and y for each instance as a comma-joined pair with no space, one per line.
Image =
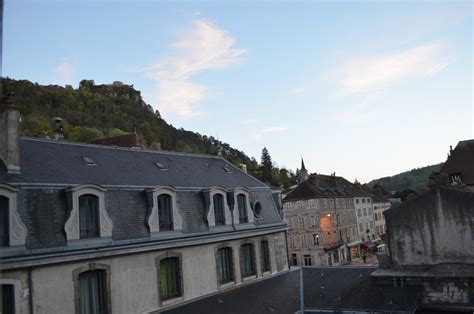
325,288
58,162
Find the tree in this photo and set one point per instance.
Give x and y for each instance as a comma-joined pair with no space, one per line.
266,166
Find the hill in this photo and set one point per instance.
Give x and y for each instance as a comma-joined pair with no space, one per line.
415,179
92,112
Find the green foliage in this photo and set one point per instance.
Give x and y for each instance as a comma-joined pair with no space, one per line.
405,194
415,179
94,111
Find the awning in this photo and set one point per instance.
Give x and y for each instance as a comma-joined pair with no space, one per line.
354,243
368,245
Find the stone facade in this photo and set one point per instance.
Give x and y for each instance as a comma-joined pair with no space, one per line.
379,218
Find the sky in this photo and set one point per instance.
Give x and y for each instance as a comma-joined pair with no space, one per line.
362,88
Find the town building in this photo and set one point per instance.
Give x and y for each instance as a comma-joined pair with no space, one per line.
322,219
97,229
460,164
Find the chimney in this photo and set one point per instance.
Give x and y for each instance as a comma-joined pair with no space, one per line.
243,167
9,135
58,128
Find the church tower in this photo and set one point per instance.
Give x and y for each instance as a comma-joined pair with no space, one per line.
303,175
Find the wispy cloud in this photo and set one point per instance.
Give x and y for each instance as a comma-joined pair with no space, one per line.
64,72
376,73
257,135
202,48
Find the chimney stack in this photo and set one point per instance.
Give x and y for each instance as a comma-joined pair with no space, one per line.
9,135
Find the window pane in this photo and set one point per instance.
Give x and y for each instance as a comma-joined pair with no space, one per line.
89,216
8,299
4,222
242,204
165,214
248,260
93,292
219,209
226,273
170,278
265,256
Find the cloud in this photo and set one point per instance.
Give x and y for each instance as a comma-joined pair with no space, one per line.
377,73
64,72
202,48
257,135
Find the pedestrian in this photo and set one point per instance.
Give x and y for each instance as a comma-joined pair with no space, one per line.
364,257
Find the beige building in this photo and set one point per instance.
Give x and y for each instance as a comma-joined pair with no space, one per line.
321,215
96,229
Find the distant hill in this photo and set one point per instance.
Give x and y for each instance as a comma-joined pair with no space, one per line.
92,111
415,179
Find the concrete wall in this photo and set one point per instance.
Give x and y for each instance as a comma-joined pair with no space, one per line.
134,280
434,228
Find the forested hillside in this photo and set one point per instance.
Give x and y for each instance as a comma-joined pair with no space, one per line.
415,179
95,111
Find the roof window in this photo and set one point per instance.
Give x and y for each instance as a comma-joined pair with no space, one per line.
227,169
88,161
160,165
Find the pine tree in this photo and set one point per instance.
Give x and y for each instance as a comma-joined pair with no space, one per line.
266,166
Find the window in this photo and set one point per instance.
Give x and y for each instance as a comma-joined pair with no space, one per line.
368,200
294,260
307,260
10,220
8,299
4,222
292,241
165,212
242,205
361,227
311,204
302,222
88,217
336,256
247,254
225,265
316,239
363,200
89,224
264,256
170,278
93,292
359,213
218,200
357,201
365,211
303,240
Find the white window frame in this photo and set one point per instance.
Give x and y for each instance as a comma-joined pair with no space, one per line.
18,230
16,291
71,227
154,218
211,218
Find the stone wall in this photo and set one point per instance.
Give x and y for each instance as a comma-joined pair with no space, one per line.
434,228
453,292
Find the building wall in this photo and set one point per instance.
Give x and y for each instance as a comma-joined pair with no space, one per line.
434,228
364,206
379,222
331,222
134,279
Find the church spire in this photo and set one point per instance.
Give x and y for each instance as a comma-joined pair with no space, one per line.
302,164
303,175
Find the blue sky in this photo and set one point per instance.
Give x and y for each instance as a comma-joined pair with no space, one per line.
363,89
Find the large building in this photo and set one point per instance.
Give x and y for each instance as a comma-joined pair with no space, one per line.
460,164
96,229
322,219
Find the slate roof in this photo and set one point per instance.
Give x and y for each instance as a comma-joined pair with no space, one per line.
126,140
461,160
322,186
59,162
325,288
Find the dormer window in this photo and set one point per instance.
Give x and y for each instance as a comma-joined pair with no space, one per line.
219,212
4,222
455,178
89,221
165,212
242,206
88,161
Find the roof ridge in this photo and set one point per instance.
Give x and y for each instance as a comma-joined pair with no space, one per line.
34,139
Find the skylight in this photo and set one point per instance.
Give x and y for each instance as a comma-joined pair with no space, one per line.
227,169
88,161
160,165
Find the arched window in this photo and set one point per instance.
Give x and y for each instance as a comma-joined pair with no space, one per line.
89,220
242,205
170,278
4,221
225,265
93,292
165,212
248,260
219,213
